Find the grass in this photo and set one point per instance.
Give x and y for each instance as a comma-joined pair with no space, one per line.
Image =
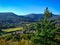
12,29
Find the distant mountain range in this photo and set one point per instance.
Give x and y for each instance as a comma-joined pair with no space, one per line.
13,19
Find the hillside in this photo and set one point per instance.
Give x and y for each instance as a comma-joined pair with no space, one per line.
34,16
10,19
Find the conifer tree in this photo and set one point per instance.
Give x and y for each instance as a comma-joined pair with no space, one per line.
45,31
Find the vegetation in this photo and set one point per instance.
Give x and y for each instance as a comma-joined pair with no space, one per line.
46,33
13,29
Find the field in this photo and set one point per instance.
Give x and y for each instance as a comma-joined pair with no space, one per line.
12,29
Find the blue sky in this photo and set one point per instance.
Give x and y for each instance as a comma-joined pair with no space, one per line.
23,7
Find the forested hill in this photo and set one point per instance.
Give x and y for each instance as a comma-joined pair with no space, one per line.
10,19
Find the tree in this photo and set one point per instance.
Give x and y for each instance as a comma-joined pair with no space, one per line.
47,14
45,31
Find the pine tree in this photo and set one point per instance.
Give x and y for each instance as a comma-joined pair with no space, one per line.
45,31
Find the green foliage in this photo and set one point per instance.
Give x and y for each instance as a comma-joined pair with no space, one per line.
7,38
47,14
16,37
45,31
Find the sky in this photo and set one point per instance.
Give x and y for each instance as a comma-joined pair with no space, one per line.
23,7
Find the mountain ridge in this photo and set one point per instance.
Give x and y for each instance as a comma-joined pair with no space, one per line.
16,20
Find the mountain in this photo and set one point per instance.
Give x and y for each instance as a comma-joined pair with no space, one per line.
55,17
11,19
35,16
38,16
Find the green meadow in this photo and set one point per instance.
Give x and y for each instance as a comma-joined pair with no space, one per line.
13,29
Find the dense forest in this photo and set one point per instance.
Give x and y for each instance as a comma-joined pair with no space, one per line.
43,32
